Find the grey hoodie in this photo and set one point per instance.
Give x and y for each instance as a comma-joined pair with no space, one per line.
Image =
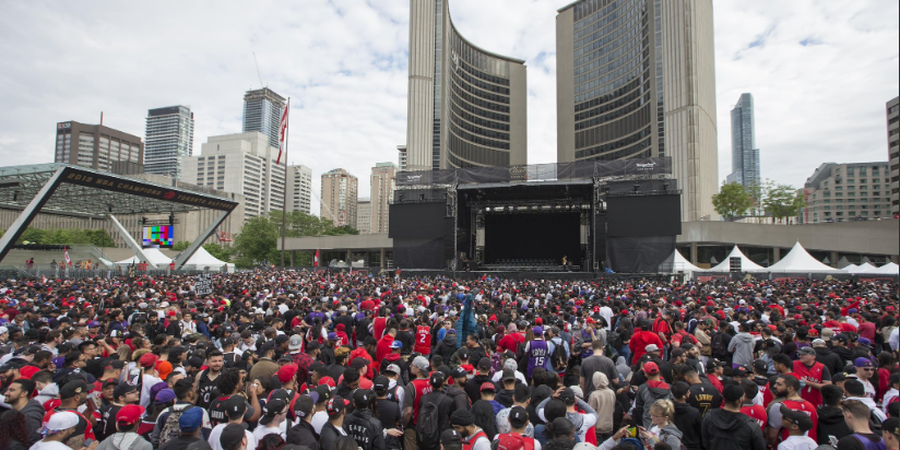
581,422
741,346
670,434
603,400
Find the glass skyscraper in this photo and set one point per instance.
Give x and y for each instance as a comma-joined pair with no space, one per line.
262,112
744,154
169,137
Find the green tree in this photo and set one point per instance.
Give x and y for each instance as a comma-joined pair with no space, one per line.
181,246
732,200
784,201
32,235
256,243
220,252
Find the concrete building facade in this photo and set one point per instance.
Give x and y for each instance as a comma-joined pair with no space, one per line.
744,154
846,193
402,160
242,164
893,124
364,215
466,106
98,147
636,78
299,189
168,139
339,197
383,184
262,112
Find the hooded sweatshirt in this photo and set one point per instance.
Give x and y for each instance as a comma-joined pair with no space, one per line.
603,400
727,430
49,392
670,434
831,423
872,406
648,393
581,422
688,420
741,346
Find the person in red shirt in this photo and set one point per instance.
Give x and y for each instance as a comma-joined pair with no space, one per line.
663,326
510,342
681,336
866,328
814,374
379,325
384,344
641,339
422,338
788,387
754,411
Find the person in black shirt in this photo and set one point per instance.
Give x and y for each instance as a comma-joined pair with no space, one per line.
190,424
366,430
303,433
123,394
205,384
701,395
387,411
406,337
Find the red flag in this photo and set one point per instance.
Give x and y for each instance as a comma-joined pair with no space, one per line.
316,259
283,131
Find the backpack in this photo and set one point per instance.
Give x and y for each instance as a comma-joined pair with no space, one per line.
171,429
664,433
558,359
720,344
428,425
467,445
614,340
514,441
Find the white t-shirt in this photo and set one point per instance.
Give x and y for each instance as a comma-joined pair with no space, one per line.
319,419
216,433
149,381
260,432
51,445
798,443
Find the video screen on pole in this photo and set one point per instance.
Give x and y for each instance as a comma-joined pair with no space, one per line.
417,220
513,237
158,237
652,215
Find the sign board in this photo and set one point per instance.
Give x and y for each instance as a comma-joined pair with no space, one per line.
735,264
203,285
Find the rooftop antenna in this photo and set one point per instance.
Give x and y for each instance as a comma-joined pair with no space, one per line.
258,74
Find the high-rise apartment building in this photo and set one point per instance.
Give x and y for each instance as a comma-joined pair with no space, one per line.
383,183
466,106
744,154
299,188
893,122
847,192
636,78
98,147
168,139
262,112
364,215
241,163
339,191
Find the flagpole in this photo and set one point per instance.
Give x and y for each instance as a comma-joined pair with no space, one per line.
284,205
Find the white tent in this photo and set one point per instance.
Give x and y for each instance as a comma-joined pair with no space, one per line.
153,254
864,268
888,269
798,260
747,265
201,259
681,264
850,268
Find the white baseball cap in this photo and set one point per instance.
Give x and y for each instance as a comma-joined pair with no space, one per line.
60,421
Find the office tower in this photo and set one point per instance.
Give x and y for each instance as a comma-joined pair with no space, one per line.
364,215
299,188
401,157
636,78
383,183
169,138
893,119
98,147
847,192
262,112
339,190
467,106
744,154
244,164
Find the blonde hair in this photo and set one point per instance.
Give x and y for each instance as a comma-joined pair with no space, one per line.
663,408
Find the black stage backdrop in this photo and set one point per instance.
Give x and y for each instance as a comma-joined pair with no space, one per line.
532,236
417,220
652,215
421,234
640,254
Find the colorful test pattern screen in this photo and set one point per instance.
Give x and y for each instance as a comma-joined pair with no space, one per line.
158,237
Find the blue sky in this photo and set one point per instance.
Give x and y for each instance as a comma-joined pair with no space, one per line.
820,73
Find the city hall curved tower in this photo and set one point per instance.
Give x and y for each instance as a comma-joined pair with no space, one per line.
467,106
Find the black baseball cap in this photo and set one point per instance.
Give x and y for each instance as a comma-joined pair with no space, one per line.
567,396
381,383
803,420
362,398
72,389
235,406
518,417
458,374
336,405
122,389
451,438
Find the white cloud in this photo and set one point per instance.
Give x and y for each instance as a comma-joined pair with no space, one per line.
343,63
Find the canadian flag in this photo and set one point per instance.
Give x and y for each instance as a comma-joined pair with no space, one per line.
66,254
316,259
283,131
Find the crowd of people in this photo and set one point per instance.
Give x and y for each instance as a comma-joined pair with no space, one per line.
282,360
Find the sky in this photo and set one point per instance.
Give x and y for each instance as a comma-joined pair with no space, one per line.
820,73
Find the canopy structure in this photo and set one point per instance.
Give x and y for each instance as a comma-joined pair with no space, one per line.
888,269
153,255
863,268
69,189
747,265
798,260
202,260
850,268
681,264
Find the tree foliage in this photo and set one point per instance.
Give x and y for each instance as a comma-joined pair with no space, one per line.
732,200
220,252
783,202
256,244
181,246
59,236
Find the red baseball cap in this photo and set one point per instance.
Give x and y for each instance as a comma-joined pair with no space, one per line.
129,414
287,372
148,360
650,368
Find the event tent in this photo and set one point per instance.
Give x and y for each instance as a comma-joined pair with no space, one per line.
888,269
850,268
798,260
747,265
681,264
201,260
153,254
863,268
